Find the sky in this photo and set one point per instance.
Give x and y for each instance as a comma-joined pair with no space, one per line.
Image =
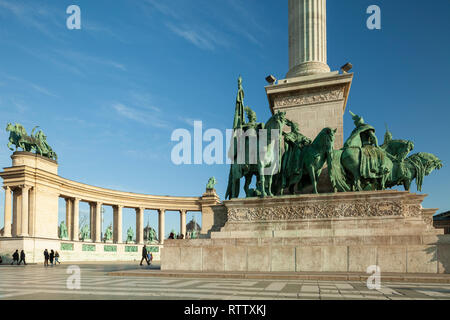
109,96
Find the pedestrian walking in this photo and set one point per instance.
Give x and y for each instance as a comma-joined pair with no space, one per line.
144,255
57,258
22,257
46,257
15,257
52,256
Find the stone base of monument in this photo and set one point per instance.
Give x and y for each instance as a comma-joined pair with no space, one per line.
341,232
73,251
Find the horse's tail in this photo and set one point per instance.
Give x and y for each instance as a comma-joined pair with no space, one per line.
336,172
32,131
229,193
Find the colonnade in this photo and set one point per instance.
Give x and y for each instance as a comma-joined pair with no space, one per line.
19,220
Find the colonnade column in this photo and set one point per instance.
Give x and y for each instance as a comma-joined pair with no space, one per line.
24,211
31,212
161,226
183,222
117,234
98,222
92,220
8,218
75,221
69,216
140,225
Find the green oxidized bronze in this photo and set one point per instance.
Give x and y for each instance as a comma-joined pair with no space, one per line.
63,231
211,183
130,234
37,142
253,150
362,164
85,233
108,233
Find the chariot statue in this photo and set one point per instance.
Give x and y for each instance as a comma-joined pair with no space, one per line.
37,142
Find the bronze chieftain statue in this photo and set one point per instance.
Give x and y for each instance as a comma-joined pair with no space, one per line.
362,164
254,151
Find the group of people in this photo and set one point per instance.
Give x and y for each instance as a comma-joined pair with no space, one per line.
146,255
52,256
172,236
16,257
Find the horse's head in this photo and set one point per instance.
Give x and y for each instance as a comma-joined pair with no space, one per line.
9,127
280,116
326,139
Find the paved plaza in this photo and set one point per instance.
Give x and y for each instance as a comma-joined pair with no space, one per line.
36,282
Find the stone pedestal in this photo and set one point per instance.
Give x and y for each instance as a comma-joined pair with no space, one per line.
342,232
314,102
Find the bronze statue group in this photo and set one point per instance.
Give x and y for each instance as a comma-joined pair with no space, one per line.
361,165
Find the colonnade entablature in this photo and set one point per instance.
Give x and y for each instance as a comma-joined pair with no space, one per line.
33,187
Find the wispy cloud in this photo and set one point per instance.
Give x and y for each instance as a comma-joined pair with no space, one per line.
37,87
192,36
144,117
32,15
202,28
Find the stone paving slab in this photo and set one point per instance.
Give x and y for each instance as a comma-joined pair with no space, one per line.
318,276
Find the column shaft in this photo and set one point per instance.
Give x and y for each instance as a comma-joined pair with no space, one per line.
17,205
117,236
307,37
69,216
92,220
76,220
31,212
140,225
161,225
183,222
8,217
98,222
24,211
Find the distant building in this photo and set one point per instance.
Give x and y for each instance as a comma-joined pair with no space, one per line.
442,221
192,229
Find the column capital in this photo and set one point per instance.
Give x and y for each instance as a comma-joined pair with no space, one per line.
161,211
183,211
6,188
25,186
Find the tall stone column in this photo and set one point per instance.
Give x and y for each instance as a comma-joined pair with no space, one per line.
139,225
161,225
31,212
76,220
69,215
183,222
17,209
98,222
24,211
8,217
117,235
307,38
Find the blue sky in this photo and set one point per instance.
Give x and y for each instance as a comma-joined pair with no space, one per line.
108,96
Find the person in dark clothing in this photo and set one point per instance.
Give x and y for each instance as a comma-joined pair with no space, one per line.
144,255
46,256
15,257
22,257
52,256
1,260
